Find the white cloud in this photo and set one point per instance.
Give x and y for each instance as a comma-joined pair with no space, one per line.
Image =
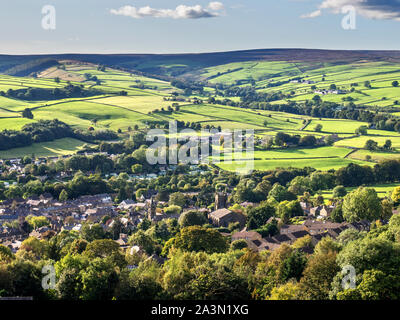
180,12
313,14
216,6
372,9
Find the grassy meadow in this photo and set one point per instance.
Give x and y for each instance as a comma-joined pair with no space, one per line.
60,147
145,95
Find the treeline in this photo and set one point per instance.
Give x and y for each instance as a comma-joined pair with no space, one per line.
331,110
315,107
283,139
354,175
41,131
91,136
249,94
188,85
48,130
38,94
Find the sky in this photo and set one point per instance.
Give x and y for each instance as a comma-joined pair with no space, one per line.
169,26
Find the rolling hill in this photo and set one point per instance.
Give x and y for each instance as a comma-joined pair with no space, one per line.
138,90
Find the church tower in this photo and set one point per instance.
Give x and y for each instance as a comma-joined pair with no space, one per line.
220,200
152,209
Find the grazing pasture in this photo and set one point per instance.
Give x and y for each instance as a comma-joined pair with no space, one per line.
133,98
60,147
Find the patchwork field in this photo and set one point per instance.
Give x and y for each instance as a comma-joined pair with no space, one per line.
319,164
359,142
146,99
375,156
324,158
267,75
382,190
336,126
60,147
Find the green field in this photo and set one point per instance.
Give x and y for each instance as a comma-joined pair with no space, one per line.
145,95
381,189
319,164
60,147
380,75
375,156
359,142
13,123
336,126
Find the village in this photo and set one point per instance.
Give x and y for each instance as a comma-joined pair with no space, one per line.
72,214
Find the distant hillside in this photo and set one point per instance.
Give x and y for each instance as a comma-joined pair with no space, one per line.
180,64
31,66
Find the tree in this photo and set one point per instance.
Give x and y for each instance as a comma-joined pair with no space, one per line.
258,216
326,245
37,222
105,248
192,218
92,232
99,280
317,99
395,83
375,285
6,254
196,238
196,276
178,199
287,291
78,246
281,138
300,185
137,168
362,204
26,279
27,113
366,254
239,244
141,283
396,195
172,209
63,195
329,140
339,192
337,214
319,200
371,145
144,241
318,127
280,193
308,141
388,144
317,277
283,264
362,130
387,209
287,210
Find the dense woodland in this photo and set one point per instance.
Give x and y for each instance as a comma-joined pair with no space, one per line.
40,94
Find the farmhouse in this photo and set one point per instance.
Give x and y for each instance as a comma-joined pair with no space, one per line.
323,211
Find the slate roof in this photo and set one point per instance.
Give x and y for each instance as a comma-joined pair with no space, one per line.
220,213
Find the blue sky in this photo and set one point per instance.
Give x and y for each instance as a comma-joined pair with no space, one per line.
105,26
